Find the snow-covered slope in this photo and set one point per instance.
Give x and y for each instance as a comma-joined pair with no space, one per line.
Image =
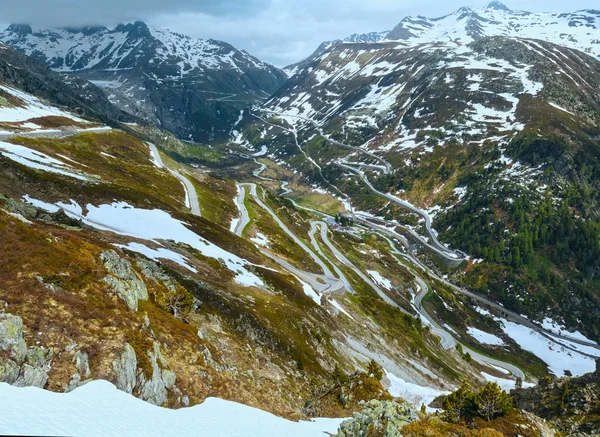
99,409
578,30
370,37
124,47
193,87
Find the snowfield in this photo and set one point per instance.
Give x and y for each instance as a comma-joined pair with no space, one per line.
99,409
413,393
484,337
38,160
152,225
33,108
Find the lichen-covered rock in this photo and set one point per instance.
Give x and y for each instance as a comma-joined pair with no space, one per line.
381,418
20,365
81,362
11,337
123,279
32,377
156,389
9,371
39,356
126,367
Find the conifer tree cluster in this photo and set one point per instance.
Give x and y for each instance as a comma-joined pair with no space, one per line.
488,403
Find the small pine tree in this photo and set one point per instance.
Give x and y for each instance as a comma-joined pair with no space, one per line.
459,405
492,401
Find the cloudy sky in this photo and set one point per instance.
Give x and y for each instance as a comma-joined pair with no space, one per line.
277,31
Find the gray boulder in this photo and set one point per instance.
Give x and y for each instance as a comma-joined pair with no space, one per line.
126,367
155,390
20,365
11,337
123,279
32,377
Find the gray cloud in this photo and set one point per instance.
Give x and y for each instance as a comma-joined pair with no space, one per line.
277,31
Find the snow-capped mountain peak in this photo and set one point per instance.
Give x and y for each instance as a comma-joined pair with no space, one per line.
578,30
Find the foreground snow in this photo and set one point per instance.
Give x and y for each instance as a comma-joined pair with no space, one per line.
99,409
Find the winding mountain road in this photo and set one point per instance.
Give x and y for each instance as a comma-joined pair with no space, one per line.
437,246
190,191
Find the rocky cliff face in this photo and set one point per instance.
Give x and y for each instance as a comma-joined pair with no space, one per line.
194,88
571,404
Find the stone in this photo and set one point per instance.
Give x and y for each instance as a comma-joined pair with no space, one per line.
38,356
156,389
31,377
9,371
81,362
123,279
382,418
11,337
126,368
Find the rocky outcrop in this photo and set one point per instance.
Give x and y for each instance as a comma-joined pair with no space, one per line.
126,368
380,418
123,279
20,365
570,404
154,390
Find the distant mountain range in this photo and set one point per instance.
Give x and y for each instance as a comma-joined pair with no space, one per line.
193,87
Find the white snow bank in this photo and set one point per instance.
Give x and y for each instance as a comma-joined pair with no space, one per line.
506,384
34,108
152,225
160,253
37,160
558,357
260,239
413,393
484,337
549,325
310,292
380,280
99,409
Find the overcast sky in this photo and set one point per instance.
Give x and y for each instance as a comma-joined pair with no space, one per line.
277,31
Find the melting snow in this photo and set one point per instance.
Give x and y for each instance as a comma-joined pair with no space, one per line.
102,410
153,225
484,337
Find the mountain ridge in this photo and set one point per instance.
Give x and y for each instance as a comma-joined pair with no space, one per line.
193,87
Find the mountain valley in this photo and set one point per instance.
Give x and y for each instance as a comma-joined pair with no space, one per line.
398,230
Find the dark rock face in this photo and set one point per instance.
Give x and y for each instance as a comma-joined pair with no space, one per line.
195,88
571,404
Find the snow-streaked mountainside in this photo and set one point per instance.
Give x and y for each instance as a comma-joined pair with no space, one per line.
458,111
193,87
124,47
290,70
579,30
391,97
